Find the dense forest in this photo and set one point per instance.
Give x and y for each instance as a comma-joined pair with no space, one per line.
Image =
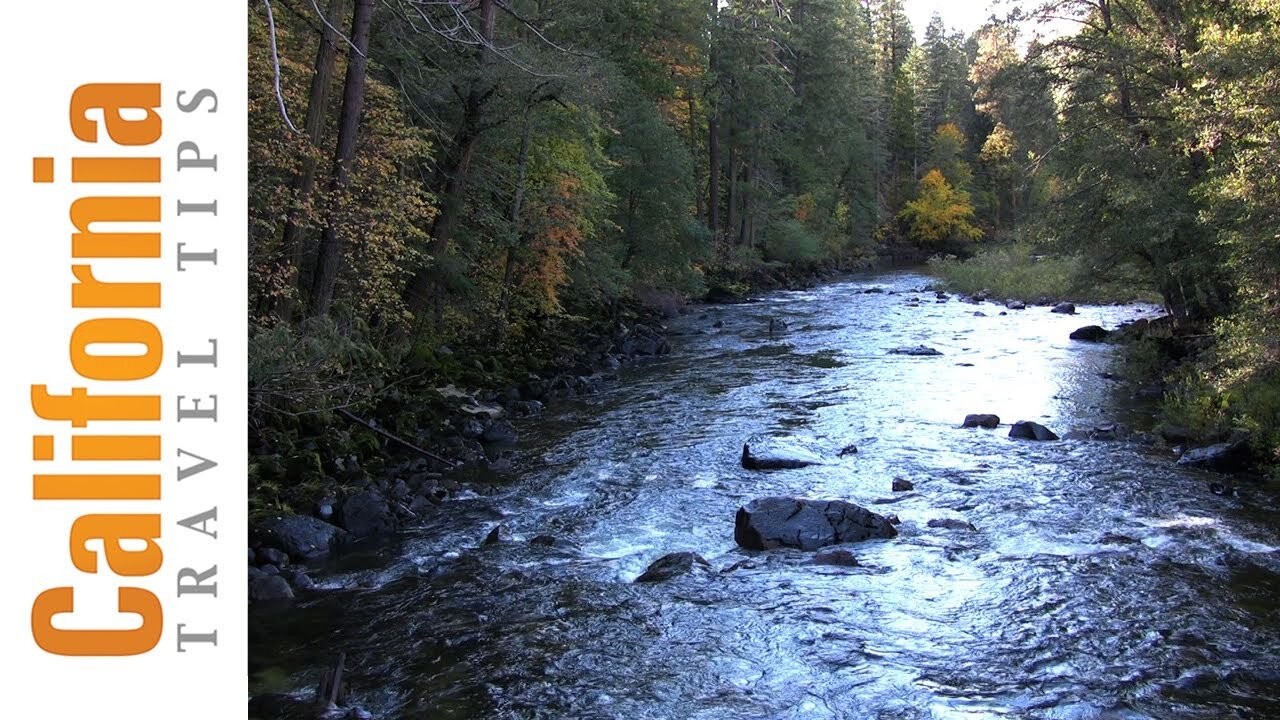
467,191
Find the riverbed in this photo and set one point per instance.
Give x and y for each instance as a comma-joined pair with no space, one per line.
1100,581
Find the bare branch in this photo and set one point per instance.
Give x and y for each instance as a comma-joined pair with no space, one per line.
275,59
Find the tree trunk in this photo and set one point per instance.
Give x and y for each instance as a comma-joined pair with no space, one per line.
329,256
713,179
698,197
517,203
426,288
749,203
713,134
317,107
731,221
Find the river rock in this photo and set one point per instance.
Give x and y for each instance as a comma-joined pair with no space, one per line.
471,428
299,580
1090,333
498,535
849,449
272,556
952,524
266,588
367,514
524,408
1016,305
915,350
500,433
301,536
644,340
837,556
775,460
552,541
673,565
772,522
981,420
1065,308
902,485
1105,433
1223,457
1027,430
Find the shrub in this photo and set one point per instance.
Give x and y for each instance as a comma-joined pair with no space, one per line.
789,241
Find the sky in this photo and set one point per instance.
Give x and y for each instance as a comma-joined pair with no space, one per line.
966,15
969,15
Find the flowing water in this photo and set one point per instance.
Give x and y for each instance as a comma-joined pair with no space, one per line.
1101,581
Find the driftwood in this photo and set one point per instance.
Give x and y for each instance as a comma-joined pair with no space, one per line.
331,692
427,454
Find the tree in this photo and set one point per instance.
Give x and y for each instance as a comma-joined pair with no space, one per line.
940,216
330,253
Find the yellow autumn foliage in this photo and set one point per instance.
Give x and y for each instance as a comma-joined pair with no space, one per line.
940,213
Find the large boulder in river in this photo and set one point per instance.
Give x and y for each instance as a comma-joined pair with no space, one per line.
673,565
776,459
1065,308
301,536
1027,430
1223,457
1090,333
981,420
773,522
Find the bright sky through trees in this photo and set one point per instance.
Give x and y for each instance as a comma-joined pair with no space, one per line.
969,15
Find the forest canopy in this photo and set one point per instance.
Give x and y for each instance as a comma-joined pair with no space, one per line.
481,173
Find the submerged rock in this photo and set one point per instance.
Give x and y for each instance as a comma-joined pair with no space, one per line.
773,460
915,350
838,557
552,541
1112,538
952,524
773,522
850,449
1090,333
902,485
983,420
673,565
1027,430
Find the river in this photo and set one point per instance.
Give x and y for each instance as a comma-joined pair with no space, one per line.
1101,581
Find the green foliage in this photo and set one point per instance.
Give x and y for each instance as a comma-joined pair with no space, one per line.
788,241
1017,271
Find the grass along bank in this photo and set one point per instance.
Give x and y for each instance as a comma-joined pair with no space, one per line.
1016,272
